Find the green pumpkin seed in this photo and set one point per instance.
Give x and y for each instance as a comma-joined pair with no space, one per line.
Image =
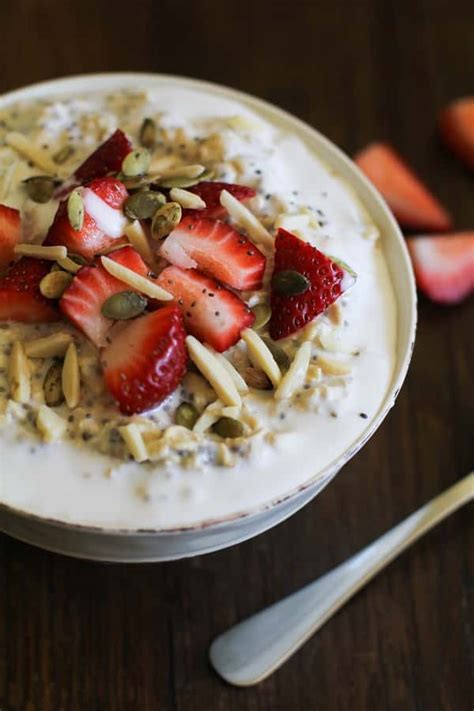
186,415
40,188
262,314
78,259
54,284
165,220
148,133
136,163
207,175
290,283
63,154
52,385
281,357
178,181
75,210
124,305
143,204
228,427
137,182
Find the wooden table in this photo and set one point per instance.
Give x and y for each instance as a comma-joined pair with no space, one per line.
78,636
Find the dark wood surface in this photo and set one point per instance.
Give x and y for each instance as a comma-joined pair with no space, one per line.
78,636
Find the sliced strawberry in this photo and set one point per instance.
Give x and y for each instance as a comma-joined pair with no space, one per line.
211,313
444,265
210,192
10,228
217,249
20,297
146,360
103,219
411,202
326,281
83,299
456,125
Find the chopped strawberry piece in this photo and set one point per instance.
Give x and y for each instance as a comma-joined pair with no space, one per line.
211,313
411,202
98,232
456,125
217,249
327,280
10,229
210,192
444,265
146,360
20,297
92,285
107,158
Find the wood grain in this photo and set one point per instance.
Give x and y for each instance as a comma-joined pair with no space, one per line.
77,636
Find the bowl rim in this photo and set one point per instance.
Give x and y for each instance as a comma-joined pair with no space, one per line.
355,178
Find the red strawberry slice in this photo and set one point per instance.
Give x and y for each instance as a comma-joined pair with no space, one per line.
146,360
83,299
411,202
210,192
211,313
444,265
327,281
10,228
456,125
20,297
98,232
217,249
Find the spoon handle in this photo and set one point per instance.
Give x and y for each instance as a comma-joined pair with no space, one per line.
253,649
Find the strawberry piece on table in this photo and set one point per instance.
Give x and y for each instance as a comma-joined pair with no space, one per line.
456,125
210,192
319,280
211,313
146,360
444,265
103,219
218,250
411,202
20,296
10,229
82,301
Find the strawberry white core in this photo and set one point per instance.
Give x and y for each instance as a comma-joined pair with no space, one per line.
108,219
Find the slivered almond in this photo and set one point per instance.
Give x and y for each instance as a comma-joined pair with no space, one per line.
138,240
160,164
237,379
246,219
261,356
35,154
330,366
233,412
187,199
224,456
335,313
54,254
51,425
214,372
210,415
131,278
185,171
70,265
19,374
134,441
48,346
71,378
296,373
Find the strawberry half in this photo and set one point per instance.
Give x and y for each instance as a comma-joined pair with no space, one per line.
20,297
211,313
456,125
82,301
326,281
217,249
10,229
146,360
210,192
444,265
103,219
411,202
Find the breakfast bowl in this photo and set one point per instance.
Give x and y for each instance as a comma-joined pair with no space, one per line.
53,496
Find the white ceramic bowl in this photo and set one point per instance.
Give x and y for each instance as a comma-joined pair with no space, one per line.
155,545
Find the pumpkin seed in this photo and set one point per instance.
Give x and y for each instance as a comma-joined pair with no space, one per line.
148,133
137,182
143,204
281,357
186,415
79,259
124,305
63,154
290,283
262,313
40,188
207,175
53,285
178,181
75,210
165,220
52,385
228,427
136,163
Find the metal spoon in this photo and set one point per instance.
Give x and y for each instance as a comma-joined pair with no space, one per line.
253,649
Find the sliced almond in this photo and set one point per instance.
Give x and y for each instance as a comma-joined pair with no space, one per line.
334,313
246,219
184,171
19,374
187,199
331,366
261,356
161,164
131,278
139,241
233,412
51,425
224,456
209,417
296,373
35,154
71,378
237,379
70,265
54,254
48,346
214,372
134,441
